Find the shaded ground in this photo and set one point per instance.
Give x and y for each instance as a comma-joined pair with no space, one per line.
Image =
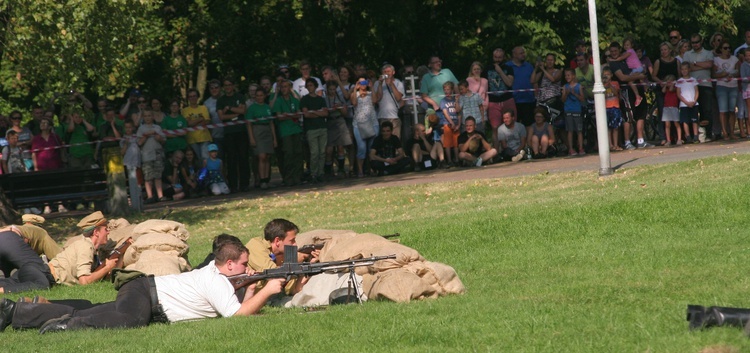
619,161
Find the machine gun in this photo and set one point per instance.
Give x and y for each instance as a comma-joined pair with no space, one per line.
291,268
309,248
117,254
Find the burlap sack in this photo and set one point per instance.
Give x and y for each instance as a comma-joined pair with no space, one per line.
447,278
173,228
153,262
161,242
367,245
121,234
322,236
399,285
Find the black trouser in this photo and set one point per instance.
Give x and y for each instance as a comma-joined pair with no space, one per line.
399,167
132,308
32,273
706,105
525,113
236,160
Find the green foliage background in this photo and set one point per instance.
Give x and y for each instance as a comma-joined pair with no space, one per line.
103,47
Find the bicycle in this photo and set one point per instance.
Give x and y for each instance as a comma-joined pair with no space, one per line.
557,120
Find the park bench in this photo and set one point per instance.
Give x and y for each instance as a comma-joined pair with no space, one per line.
63,185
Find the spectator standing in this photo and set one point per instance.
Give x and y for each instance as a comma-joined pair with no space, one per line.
12,155
470,104
500,80
688,92
231,107
523,93
156,108
24,136
674,37
664,66
621,73
46,153
172,122
548,77
614,114
701,61
431,85
745,74
316,128
262,133
197,116
338,132
286,107
151,139
726,70
131,153
573,99
217,132
131,105
671,114
478,84
299,84
365,121
390,93
79,136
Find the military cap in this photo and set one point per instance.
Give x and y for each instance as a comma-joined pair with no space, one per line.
92,221
32,218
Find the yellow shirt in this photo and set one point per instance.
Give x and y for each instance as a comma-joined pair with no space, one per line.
199,114
74,261
259,259
40,241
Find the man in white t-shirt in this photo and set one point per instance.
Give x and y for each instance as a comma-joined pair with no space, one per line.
299,84
511,138
198,294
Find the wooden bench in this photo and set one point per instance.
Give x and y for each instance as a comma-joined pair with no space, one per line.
63,185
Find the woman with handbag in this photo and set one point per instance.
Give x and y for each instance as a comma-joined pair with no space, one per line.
365,120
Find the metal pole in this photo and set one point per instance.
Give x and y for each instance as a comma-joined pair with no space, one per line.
605,164
413,92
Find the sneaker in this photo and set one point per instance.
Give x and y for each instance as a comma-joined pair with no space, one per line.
645,145
35,210
679,143
47,210
164,198
264,186
519,156
478,162
629,146
581,152
572,153
61,209
149,201
638,100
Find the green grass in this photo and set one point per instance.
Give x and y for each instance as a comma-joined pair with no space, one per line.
551,262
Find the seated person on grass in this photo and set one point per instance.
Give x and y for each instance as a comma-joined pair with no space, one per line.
267,252
423,151
473,146
511,138
193,295
386,155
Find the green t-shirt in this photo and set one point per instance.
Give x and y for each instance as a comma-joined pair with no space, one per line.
314,103
258,111
232,101
174,142
80,135
105,130
287,127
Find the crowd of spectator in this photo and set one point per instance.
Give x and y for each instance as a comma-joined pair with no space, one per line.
507,110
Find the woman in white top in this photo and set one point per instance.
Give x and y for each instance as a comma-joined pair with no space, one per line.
725,70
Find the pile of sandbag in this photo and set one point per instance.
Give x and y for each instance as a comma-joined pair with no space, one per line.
408,276
159,246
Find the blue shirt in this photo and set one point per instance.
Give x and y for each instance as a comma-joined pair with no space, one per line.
572,104
522,80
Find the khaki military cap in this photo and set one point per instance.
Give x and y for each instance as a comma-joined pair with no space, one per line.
92,221
32,218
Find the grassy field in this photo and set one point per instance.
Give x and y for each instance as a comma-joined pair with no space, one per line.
551,262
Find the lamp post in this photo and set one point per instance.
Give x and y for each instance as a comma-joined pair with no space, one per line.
605,163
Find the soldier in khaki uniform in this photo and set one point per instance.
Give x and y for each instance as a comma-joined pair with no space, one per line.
268,251
73,265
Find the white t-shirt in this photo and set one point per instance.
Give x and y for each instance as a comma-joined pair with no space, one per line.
687,90
387,107
728,66
196,294
299,86
512,137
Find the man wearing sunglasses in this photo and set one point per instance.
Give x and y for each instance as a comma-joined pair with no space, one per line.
701,61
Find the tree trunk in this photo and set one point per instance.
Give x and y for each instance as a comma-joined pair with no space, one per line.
8,215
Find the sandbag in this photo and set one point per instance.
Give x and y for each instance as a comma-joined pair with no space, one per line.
161,242
399,285
173,228
153,262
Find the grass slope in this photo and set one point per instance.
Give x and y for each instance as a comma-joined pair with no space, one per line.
552,263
